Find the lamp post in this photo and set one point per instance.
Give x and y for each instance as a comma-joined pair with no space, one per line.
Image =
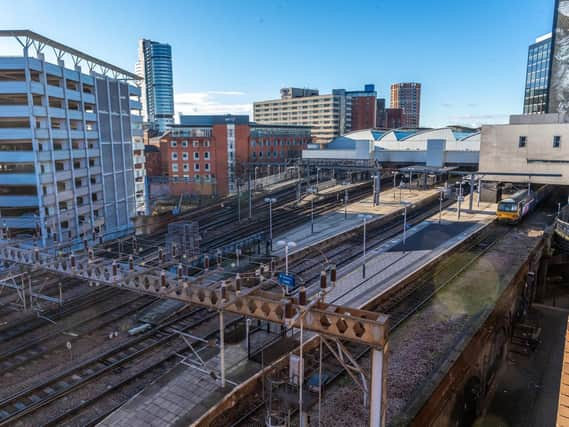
364,217
270,201
317,174
286,245
441,191
405,206
312,191
395,173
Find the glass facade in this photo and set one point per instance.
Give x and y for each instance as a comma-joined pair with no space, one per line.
537,77
155,63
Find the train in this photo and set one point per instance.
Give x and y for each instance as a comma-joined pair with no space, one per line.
513,209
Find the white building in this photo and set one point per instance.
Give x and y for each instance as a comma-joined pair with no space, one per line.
431,147
68,132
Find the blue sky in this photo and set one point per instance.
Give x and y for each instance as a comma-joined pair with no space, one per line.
470,56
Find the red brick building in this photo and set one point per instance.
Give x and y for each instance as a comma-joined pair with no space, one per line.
362,107
152,160
207,153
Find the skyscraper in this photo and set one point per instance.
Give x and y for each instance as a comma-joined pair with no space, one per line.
407,96
155,65
536,97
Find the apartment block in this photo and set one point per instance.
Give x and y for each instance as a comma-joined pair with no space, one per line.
324,114
362,108
67,142
407,96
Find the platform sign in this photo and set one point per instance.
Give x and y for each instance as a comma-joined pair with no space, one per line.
287,280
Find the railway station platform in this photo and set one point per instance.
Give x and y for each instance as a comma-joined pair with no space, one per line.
184,395
337,222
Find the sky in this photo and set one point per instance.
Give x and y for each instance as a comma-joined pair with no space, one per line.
470,56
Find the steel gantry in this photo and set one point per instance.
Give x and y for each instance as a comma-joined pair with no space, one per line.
228,296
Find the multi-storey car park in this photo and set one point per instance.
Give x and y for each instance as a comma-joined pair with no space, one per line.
67,141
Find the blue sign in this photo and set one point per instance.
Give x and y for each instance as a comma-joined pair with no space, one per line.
287,280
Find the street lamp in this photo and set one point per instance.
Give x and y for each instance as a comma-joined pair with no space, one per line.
365,217
312,191
286,245
395,173
459,197
270,201
441,192
405,206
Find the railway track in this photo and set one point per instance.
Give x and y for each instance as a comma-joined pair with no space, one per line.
400,303
73,306
33,398
44,344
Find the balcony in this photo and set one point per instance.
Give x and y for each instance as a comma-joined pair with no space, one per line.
39,111
75,114
134,105
84,210
17,156
47,178
16,133
13,87
14,111
17,179
28,221
18,201
89,98
55,91
73,95
134,90
95,188
139,173
57,113
91,117
59,133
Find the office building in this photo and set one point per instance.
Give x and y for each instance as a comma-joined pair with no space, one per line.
407,96
536,97
325,114
66,142
155,66
361,108
209,154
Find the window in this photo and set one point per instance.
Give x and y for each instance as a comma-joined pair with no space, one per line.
556,141
195,144
197,177
523,141
206,155
185,144
174,156
196,155
174,167
196,166
206,166
186,167
260,154
185,155
173,144
206,143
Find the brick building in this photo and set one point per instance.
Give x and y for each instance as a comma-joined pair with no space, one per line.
208,153
362,108
153,160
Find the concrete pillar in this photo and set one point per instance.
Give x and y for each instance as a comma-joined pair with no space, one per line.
378,393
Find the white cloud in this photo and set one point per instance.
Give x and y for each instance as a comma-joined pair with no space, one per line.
473,120
212,102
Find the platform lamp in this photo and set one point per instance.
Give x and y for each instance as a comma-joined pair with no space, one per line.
312,191
286,245
270,201
364,217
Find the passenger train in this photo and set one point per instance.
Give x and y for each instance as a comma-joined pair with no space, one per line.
513,209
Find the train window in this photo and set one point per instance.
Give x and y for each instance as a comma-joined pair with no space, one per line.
556,141
523,141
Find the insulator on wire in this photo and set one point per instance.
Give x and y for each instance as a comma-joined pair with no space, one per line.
302,296
206,262
131,263
237,283
160,254
163,279
115,268
333,274
223,291
323,281
85,244
174,254
179,271
91,255
289,310
37,254
72,259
